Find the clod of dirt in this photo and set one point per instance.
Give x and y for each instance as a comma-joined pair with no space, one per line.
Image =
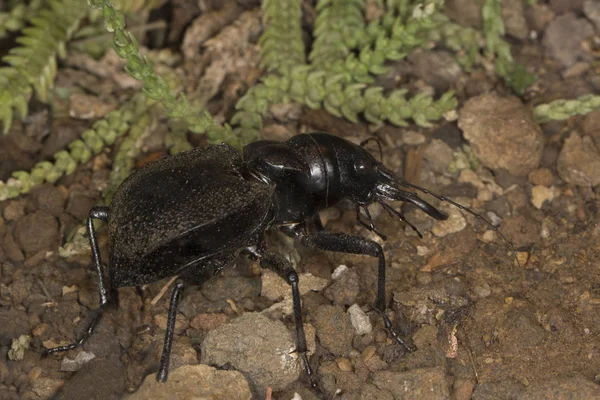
275,288
497,390
465,12
344,290
37,231
46,388
259,347
334,329
439,155
14,210
360,320
573,388
541,194
11,248
195,382
502,133
79,205
563,37
231,287
591,9
521,231
416,384
514,19
437,68
579,161
49,198
18,347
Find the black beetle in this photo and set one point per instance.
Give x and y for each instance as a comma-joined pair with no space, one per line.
191,214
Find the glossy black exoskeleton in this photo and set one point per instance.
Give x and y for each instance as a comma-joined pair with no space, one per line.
192,214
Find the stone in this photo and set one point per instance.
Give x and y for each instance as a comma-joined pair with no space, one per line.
360,320
37,231
437,68
514,19
465,12
541,194
416,384
579,161
257,346
344,290
439,155
502,133
566,388
334,329
591,9
563,37
195,382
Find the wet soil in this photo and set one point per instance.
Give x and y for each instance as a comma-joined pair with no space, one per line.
485,325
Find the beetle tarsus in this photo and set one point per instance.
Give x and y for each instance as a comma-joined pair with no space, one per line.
96,316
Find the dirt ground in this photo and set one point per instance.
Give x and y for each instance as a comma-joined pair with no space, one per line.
485,326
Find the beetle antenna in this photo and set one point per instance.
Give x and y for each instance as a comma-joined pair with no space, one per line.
463,208
376,139
392,211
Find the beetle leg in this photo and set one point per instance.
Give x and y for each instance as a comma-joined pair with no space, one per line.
163,370
282,267
98,212
370,226
343,243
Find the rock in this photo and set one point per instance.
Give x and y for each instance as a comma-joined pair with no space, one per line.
465,12
541,176
572,388
464,390
439,155
564,6
456,222
360,320
344,290
334,329
37,231
49,198
521,231
275,288
208,321
497,390
11,248
563,37
46,388
259,347
370,392
591,9
514,19
79,205
539,16
181,322
437,68
541,194
591,126
14,210
579,161
231,287
79,361
195,382
502,133
416,384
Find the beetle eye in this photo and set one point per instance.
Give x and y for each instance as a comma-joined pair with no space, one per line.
360,166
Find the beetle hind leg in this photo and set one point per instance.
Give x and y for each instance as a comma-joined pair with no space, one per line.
163,370
278,264
101,213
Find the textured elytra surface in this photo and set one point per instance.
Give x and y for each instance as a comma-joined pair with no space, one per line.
182,209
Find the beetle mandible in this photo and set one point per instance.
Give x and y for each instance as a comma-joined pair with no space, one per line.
192,214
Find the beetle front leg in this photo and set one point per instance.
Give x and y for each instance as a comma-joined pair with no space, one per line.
163,370
340,242
282,267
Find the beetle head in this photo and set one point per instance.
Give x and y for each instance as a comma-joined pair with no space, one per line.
371,181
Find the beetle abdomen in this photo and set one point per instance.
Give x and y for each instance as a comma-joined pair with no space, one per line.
180,210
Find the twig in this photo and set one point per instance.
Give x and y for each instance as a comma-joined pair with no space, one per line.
163,290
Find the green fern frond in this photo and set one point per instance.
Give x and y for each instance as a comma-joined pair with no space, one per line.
15,19
33,63
281,42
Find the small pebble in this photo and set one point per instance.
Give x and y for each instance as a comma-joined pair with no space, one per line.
369,352
541,194
40,329
360,320
339,271
344,364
